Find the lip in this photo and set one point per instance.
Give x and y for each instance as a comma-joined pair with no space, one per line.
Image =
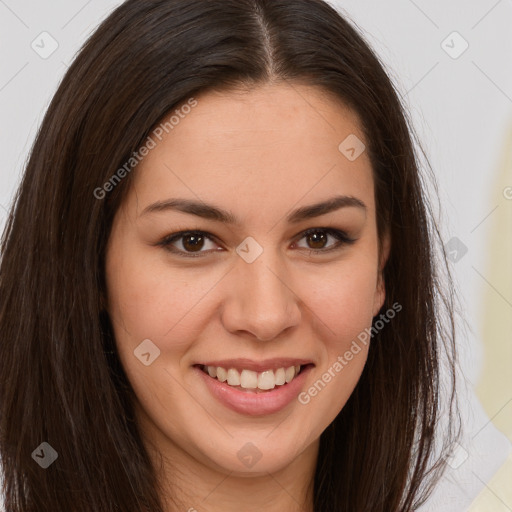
256,366
255,404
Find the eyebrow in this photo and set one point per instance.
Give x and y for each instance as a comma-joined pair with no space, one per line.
208,211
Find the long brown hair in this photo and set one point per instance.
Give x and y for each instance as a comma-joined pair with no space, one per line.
61,379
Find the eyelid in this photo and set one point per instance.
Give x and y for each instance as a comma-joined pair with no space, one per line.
169,239
339,234
343,240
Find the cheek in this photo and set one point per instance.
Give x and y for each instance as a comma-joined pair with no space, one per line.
147,299
343,308
343,299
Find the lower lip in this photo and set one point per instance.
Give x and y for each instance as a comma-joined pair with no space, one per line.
255,404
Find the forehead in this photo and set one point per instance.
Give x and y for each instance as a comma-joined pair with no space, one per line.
253,147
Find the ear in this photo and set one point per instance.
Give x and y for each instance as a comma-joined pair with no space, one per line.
380,290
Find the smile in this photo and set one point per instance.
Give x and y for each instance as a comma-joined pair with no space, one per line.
251,380
251,388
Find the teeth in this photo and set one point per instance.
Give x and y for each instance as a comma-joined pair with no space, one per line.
289,373
280,377
249,379
233,377
266,380
222,374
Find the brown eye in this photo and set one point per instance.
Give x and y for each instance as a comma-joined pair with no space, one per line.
193,242
317,239
189,243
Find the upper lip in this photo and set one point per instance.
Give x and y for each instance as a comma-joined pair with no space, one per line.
257,366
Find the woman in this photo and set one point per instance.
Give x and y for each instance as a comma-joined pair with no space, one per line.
218,287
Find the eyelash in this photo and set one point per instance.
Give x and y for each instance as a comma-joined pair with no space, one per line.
341,236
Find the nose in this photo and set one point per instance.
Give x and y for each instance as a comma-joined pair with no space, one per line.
260,299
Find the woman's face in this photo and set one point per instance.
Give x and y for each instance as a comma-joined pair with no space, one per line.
251,293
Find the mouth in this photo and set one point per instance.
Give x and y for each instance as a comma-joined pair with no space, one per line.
254,389
251,381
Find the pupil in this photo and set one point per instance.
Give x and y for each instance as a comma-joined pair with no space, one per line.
193,242
317,240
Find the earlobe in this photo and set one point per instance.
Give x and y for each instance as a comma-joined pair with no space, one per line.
380,291
380,294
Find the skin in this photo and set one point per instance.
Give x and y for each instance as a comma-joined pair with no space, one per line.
259,154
